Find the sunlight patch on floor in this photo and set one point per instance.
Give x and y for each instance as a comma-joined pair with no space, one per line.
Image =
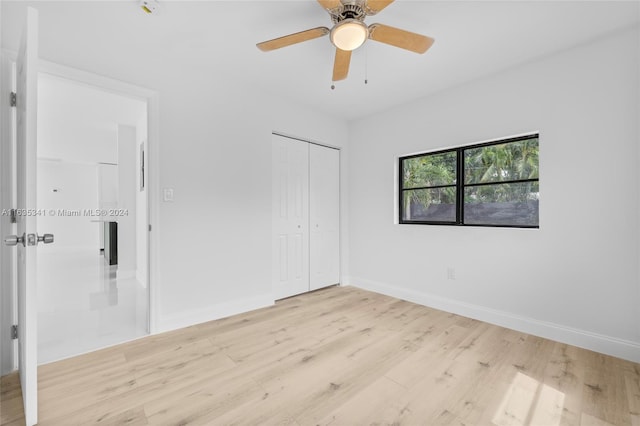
529,402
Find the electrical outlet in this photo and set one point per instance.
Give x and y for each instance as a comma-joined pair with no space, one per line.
451,273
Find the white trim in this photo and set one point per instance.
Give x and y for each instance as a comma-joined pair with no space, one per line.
88,78
301,139
396,191
95,80
609,345
210,313
345,281
88,351
153,203
341,251
8,284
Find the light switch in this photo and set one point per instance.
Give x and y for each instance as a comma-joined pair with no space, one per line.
168,194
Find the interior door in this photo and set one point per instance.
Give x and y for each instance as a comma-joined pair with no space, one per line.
26,105
324,176
290,213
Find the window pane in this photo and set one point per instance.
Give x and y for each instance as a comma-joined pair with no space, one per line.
502,204
429,170
437,205
504,162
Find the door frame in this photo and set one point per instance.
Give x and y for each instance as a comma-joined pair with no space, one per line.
152,159
8,284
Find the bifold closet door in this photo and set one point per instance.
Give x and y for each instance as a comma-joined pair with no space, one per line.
290,213
324,216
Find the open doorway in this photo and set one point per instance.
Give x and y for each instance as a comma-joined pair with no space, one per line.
93,287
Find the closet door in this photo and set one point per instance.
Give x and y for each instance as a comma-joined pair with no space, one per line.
324,206
290,213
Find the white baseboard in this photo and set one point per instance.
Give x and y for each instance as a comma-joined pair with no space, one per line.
141,278
620,348
345,280
214,312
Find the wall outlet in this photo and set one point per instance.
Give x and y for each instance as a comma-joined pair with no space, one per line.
451,273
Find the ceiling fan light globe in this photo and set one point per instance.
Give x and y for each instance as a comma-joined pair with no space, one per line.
349,34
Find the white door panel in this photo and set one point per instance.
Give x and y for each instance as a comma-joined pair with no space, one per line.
324,216
290,177
26,89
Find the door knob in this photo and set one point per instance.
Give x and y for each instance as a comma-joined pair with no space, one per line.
14,240
46,238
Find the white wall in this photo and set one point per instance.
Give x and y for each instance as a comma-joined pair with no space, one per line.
215,238
127,190
70,188
575,279
79,122
66,135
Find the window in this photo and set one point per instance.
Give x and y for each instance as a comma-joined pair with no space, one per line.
490,184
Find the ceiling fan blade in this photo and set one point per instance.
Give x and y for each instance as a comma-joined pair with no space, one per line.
400,38
290,39
341,64
375,6
330,4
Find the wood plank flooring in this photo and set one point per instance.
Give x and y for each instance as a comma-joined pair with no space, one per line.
340,356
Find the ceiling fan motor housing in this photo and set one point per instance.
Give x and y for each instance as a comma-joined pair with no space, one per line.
349,10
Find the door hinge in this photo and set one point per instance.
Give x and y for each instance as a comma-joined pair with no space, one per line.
12,216
13,99
149,228
14,332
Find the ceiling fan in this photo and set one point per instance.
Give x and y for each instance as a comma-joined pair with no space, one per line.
349,32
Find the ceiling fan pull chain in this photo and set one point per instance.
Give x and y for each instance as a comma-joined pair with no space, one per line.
366,64
333,83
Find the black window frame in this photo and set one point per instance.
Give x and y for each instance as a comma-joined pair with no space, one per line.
460,184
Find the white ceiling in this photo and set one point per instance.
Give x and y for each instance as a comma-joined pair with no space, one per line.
473,39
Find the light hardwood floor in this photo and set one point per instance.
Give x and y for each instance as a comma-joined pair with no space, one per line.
340,356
